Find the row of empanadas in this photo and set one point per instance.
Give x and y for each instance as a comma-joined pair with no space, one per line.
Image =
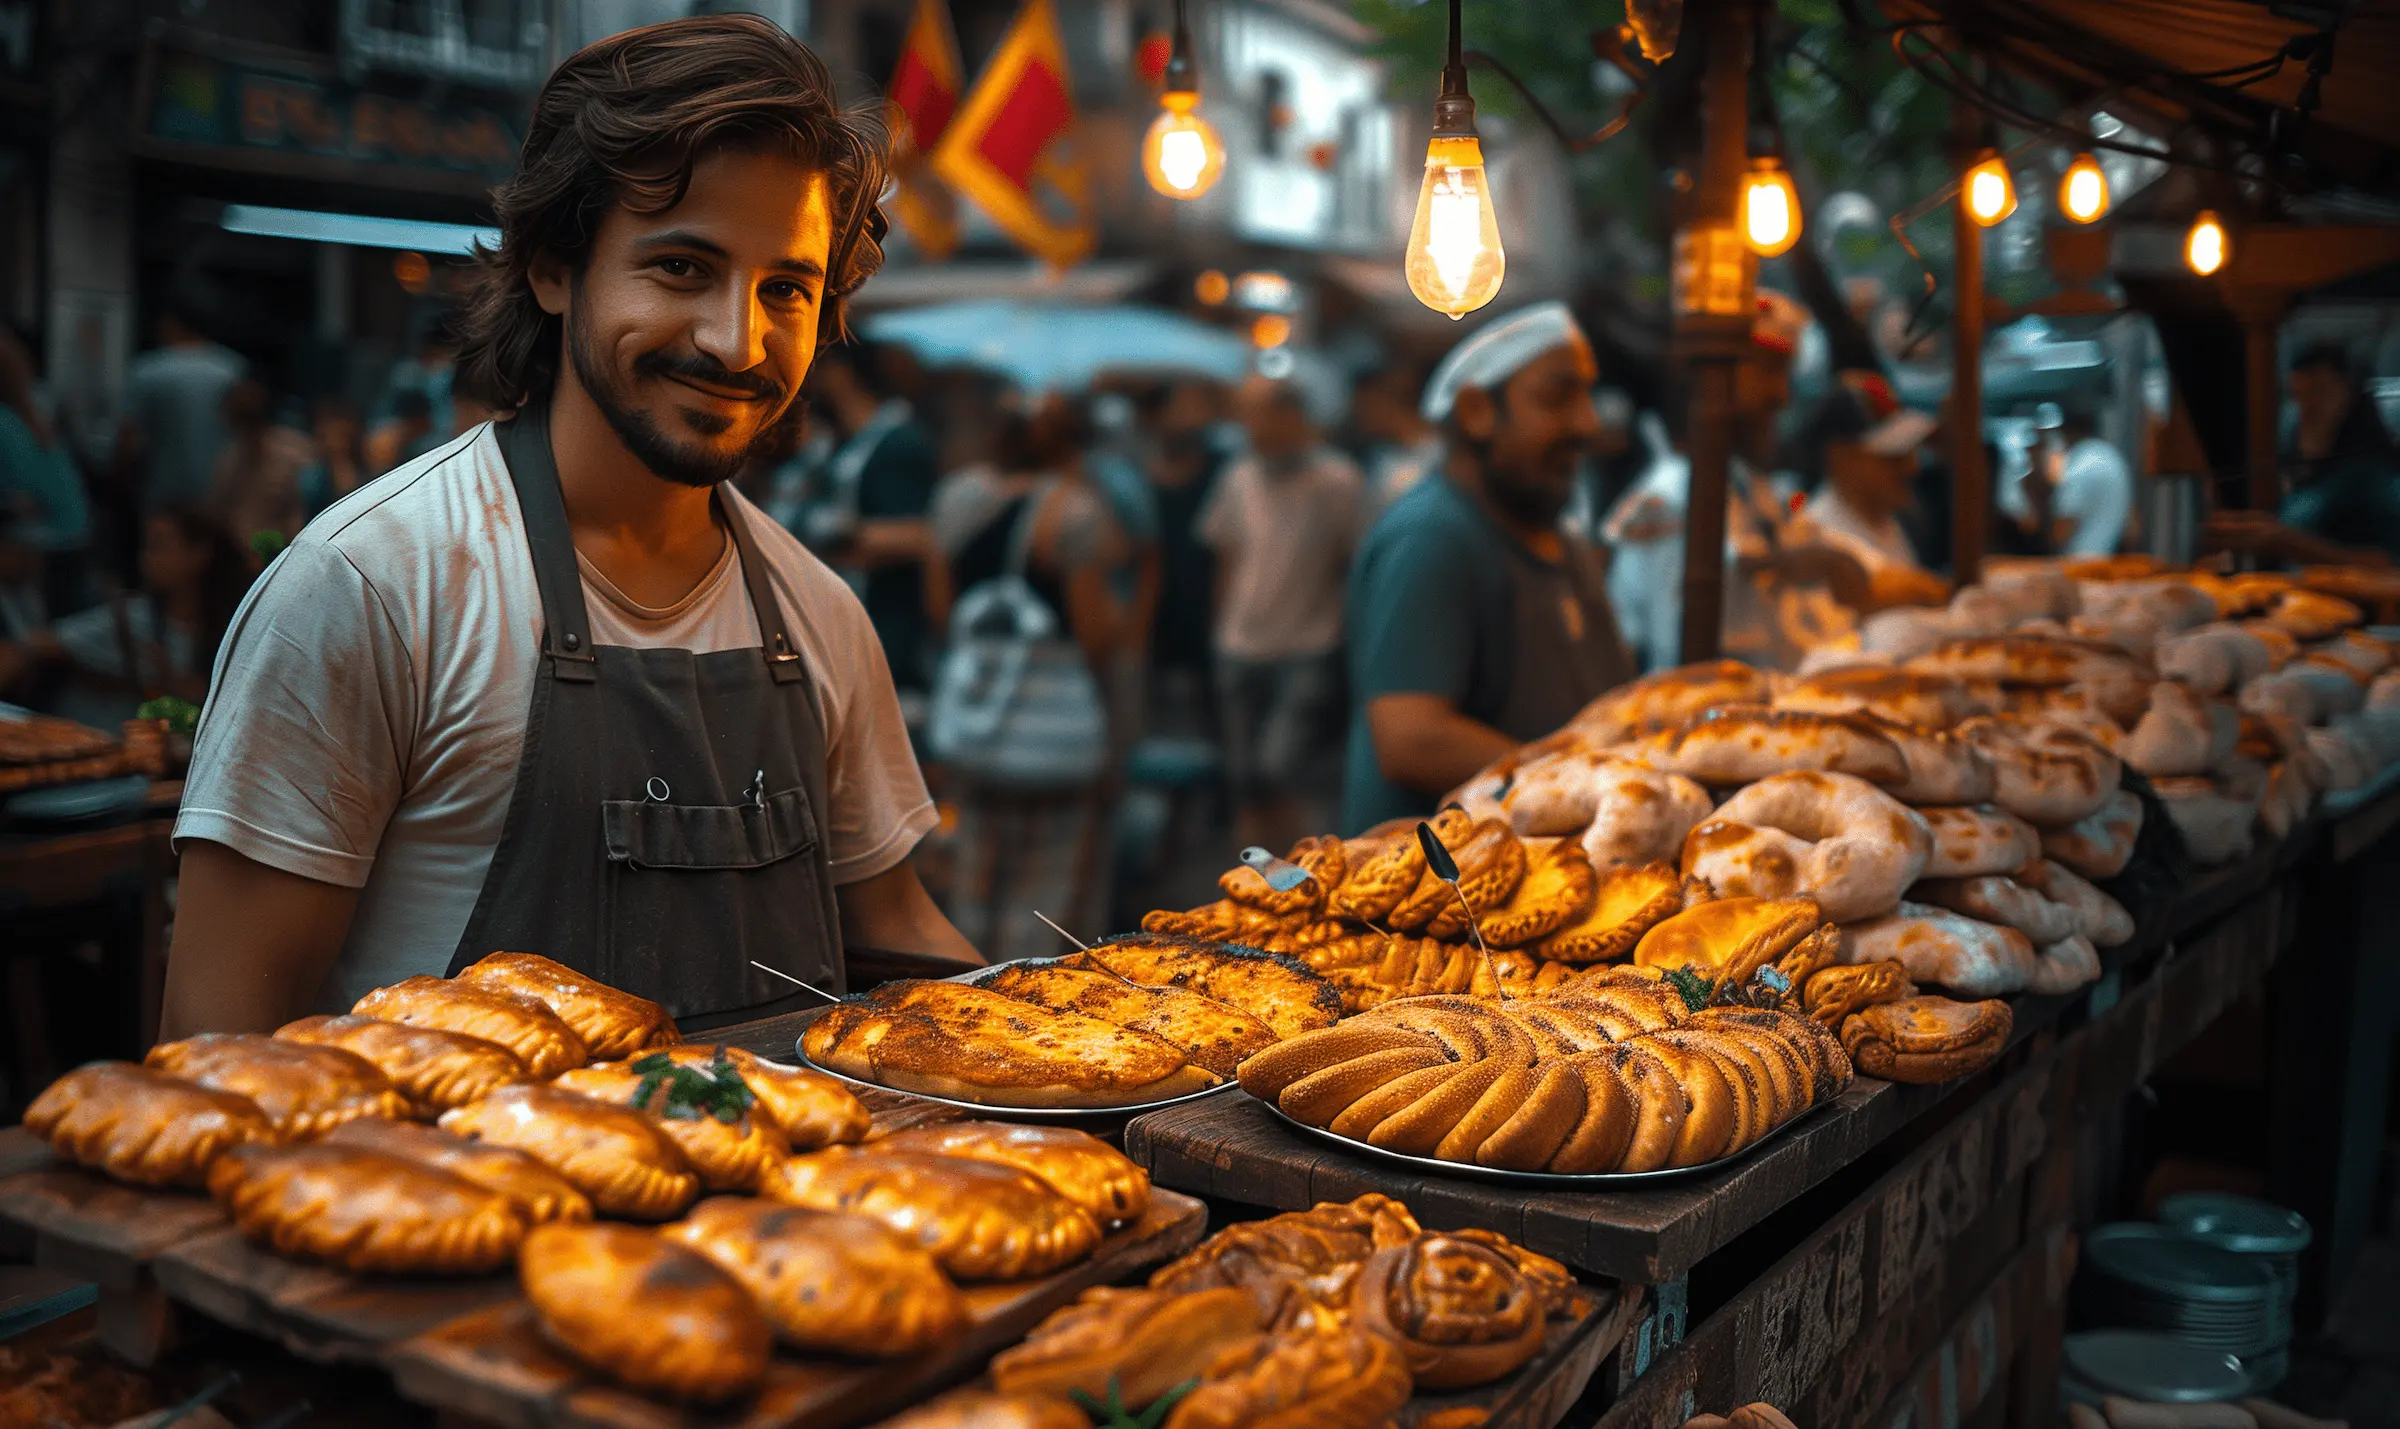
305,1090
143,1126
364,1210
617,1156
980,1220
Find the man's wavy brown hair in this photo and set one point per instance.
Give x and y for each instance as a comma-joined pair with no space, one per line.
625,121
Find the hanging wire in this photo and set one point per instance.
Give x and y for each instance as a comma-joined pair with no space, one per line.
1572,143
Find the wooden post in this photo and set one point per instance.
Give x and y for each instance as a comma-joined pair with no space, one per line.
1970,484
1714,310
2262,321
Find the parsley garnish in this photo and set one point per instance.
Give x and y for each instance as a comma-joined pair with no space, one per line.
1113,1414
719,1092
1694,988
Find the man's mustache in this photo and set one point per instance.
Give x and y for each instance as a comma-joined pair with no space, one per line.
700,367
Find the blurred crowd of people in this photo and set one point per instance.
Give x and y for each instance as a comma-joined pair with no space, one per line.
1197,543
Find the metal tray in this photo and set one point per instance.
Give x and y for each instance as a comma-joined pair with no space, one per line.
1557,1180
1069,1115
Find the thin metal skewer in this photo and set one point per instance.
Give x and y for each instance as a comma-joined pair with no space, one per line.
1070,937
787,977
1445,868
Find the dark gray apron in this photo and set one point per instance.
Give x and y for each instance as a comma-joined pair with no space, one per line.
665,828
1568,651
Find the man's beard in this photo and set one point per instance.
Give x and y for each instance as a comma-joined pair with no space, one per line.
651,444
1524,495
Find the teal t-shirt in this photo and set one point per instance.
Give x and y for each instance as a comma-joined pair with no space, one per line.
1432,610
2353,499
44,484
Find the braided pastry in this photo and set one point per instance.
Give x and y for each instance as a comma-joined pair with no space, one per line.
1461,1312
1832,994
1383,867
1558,886
1269,1258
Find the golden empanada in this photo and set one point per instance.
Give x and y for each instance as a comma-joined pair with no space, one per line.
541,1193
729,1155
434,1069
143,1126
982,1222
638,1307
810,1108
613,1154
306,1091
1076,1164
542,1041
365,1211
828,1280
612,1024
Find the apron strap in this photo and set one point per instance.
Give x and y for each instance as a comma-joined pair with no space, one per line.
567,624
774,638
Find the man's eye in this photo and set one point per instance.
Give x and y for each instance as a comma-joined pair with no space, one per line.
677,267
786,292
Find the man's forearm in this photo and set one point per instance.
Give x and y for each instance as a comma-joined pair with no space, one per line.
893,912
252,944
1423,743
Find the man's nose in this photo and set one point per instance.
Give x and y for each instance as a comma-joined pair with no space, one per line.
733,330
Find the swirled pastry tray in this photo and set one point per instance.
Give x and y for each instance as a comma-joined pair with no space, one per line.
1560,1180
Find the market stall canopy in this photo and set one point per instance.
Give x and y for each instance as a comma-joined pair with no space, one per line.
1056,347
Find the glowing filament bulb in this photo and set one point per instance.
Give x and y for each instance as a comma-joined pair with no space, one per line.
1454,260
2083,193
1991,195
1770,210
1182,155
2206,246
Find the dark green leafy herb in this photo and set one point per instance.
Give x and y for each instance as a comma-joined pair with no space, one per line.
719,1092
181,715
1114,1415
1694,988
267,545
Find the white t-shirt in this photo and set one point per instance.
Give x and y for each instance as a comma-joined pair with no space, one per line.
2095,491
1288,538
368,709
1878,545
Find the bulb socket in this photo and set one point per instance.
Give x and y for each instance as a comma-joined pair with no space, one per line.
1454,114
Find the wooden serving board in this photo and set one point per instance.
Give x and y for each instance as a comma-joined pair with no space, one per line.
495,1365
88,1226
1539,1394
318,1313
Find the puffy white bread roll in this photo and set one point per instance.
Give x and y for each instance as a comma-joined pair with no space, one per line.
2046,775
2181,733
1962,955
1734,745
1942,768
1831,837
2099,844
2215,827
2064,966
2098,917
1994,898
1640,815
1978,840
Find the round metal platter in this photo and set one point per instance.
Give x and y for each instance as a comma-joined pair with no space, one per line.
1557,1180
1001,1110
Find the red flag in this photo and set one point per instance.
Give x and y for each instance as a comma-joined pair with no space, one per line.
1011,147
924,94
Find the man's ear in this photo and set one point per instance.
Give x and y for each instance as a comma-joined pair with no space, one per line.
1478,415
552,283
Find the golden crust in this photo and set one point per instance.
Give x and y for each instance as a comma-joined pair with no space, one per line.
955,1040
986,1409
1553,1107
1267,1074
305,1090
434,1069
1326,1375
542,1041
828,1280
981,1221
809,1108
143,1126
1714,1117
1216,1035
1491,863
1462,1312
1729,939
1075,1164
1133,1344
1834,993
365,1211
646,1311
539,1192
1322,858
1913,698
1382,869
730,1156
1603,1132
1733,745
1666,698
1627,901
1281,991
1659,1109
613,1154
1559,884
612,1024
1927,1039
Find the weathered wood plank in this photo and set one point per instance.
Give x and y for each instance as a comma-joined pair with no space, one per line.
316,1312
494,1363
95,1229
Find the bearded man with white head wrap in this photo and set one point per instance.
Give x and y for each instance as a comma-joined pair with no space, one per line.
1476,622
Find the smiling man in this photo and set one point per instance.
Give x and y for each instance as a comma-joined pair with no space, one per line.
1476,622
556,686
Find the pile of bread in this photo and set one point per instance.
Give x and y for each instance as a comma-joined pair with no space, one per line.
560,1109
1331,1318
1614,1072
1135,1020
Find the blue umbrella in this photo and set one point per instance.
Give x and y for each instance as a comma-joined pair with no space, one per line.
1051,347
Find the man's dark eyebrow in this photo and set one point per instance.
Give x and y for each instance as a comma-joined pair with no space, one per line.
685,238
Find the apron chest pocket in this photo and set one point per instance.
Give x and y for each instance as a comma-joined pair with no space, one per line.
643,833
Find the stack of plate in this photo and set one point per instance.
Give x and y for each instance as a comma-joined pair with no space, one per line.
2155,1278
2260,1231
2149,1366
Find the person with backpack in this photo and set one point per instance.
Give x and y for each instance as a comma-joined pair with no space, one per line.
1018,715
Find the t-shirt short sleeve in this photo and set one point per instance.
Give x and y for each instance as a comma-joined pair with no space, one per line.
303,747
1413,622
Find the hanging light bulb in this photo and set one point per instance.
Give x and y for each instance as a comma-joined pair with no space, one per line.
1991,194
1182,155
2206,246
1770,209
2083,192
1454,262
